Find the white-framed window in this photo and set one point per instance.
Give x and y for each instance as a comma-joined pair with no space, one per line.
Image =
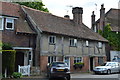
1,23
100,60
52,39
73,42
9,23
100,44
87,43
52,59
77,59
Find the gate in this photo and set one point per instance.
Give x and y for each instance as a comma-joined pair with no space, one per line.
24,70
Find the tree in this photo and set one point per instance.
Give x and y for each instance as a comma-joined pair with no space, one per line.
112,37
35,5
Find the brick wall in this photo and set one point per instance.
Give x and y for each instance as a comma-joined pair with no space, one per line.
71,64
22,40
43,63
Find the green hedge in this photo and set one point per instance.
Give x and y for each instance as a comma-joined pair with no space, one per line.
8,61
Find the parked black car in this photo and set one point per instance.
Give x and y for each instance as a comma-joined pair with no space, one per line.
58,69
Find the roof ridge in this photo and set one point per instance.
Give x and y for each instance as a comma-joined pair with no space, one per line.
45,12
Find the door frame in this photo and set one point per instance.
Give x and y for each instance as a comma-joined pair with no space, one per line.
68,60
29,62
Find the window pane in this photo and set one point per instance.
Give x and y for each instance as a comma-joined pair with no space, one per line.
52,39
87,44
10,20
100,60
0,23
49,59
99,44
9,25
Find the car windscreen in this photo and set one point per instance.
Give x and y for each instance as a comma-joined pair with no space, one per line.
110,64
59,64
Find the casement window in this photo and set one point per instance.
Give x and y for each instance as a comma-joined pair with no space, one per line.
87,43
52,39
1,23
9,23
100,60
77,59
73,42
51,59
100,44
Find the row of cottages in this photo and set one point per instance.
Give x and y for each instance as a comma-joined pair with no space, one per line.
41,38
112,17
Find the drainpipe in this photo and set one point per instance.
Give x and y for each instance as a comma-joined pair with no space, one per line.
38,39
63,48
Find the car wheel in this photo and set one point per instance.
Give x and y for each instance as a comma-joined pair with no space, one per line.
68,77
108,72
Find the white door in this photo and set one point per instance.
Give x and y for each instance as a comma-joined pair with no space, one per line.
67,60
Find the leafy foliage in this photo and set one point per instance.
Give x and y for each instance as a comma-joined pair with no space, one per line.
112,37
35,5
8,59
17,75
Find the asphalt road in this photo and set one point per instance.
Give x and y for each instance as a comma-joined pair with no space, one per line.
84,76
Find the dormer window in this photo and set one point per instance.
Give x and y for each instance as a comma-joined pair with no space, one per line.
1,23
73,42
9,23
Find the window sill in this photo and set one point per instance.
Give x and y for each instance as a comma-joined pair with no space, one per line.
73,46
51,43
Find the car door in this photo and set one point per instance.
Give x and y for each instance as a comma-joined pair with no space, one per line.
117,69
114,67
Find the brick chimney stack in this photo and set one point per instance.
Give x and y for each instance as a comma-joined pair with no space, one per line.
77,14
92,19
102,17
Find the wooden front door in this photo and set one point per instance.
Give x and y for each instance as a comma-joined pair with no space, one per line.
19,60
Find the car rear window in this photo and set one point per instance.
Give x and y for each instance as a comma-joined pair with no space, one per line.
59,64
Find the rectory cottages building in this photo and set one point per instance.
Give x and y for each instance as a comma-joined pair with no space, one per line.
52,38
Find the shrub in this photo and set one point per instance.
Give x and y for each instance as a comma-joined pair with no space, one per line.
8,59
17,75
78,65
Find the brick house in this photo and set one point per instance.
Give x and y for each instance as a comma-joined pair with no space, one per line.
15,30
64,39
110,17
41,38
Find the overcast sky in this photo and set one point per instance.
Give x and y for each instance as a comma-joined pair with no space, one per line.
63,7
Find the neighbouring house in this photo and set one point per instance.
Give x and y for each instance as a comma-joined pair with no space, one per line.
111,17
64,39
14,29
41,38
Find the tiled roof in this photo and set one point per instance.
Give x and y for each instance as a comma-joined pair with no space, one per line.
113,17
14,10
54,24
10,9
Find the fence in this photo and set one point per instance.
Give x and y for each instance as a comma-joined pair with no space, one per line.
24,70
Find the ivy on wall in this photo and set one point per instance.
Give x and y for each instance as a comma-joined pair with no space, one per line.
112,37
